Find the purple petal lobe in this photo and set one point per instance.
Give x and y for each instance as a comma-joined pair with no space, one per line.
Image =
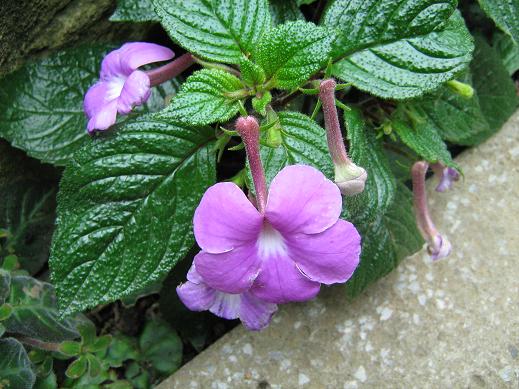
226,305
103,118
225,219
130,56
231,272
302,199
95,98
280,281
255,314
447,178
197,297
330,256
439,247
136,91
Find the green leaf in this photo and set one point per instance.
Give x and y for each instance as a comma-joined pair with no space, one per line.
301,2
48,382
292,52
366,151
217,30
5,311
366,23
283,11
134,11
508,51
423,138
15,366
303,141
5,285
161,347
35,313
505,13
77,368
70,348
125,209
410,67
206,97
41,105
122,348
386,241
495,89
251,73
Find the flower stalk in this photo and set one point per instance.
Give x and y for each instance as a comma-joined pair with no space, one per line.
437,245
350,178
248,128
170,70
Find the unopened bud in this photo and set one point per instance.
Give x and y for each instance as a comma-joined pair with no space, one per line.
350,178
462,89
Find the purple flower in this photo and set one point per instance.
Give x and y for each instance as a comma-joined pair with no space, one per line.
121,85
284,253
446,176
254,313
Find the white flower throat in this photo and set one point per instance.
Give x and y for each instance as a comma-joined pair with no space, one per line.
270,242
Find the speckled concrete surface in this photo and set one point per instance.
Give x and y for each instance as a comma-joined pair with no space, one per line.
450,324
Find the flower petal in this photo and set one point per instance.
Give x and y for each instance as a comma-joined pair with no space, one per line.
329,257
197,297
103,118
280,281
231,272
225,219
302,199
136,91
226,305
132,55
95,98
255,314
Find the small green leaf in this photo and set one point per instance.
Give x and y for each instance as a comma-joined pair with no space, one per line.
122,348
126,206
10,263
161,346
87,330
368,23
495,88
292,52
251,73
5,285
366,151
410,67
41,105
77,368
423,138
283,11
15,366
206,97
217,30
100,344
260,103
5,311
303,141
70,348
94,365
35,313
505,13
48,382
508,51
134,11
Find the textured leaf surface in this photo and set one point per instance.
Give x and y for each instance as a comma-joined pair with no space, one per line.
508,52
303,141
217,30
366,151
35,313
15,366
125,210
410,67
41,105
423,138
495,88
505,13
161,347
292,52
134,11
283,11
27,210
364,23
5,285
204,98
386,241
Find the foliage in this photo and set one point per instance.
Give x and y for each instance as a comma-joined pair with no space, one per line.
122,215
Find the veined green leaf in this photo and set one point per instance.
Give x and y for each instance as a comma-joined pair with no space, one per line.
508,51
366,151
283,11
410,67
206,97
292,52
15,366
134,11
217,30
125,210
41,105
505,13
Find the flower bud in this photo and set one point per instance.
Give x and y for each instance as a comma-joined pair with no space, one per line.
350,178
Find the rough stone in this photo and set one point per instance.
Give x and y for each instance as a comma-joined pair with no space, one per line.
450,324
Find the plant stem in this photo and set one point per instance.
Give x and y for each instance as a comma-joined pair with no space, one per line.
171,70
38,343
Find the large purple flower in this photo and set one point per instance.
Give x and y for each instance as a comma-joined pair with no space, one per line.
121,86
254,313
283,254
